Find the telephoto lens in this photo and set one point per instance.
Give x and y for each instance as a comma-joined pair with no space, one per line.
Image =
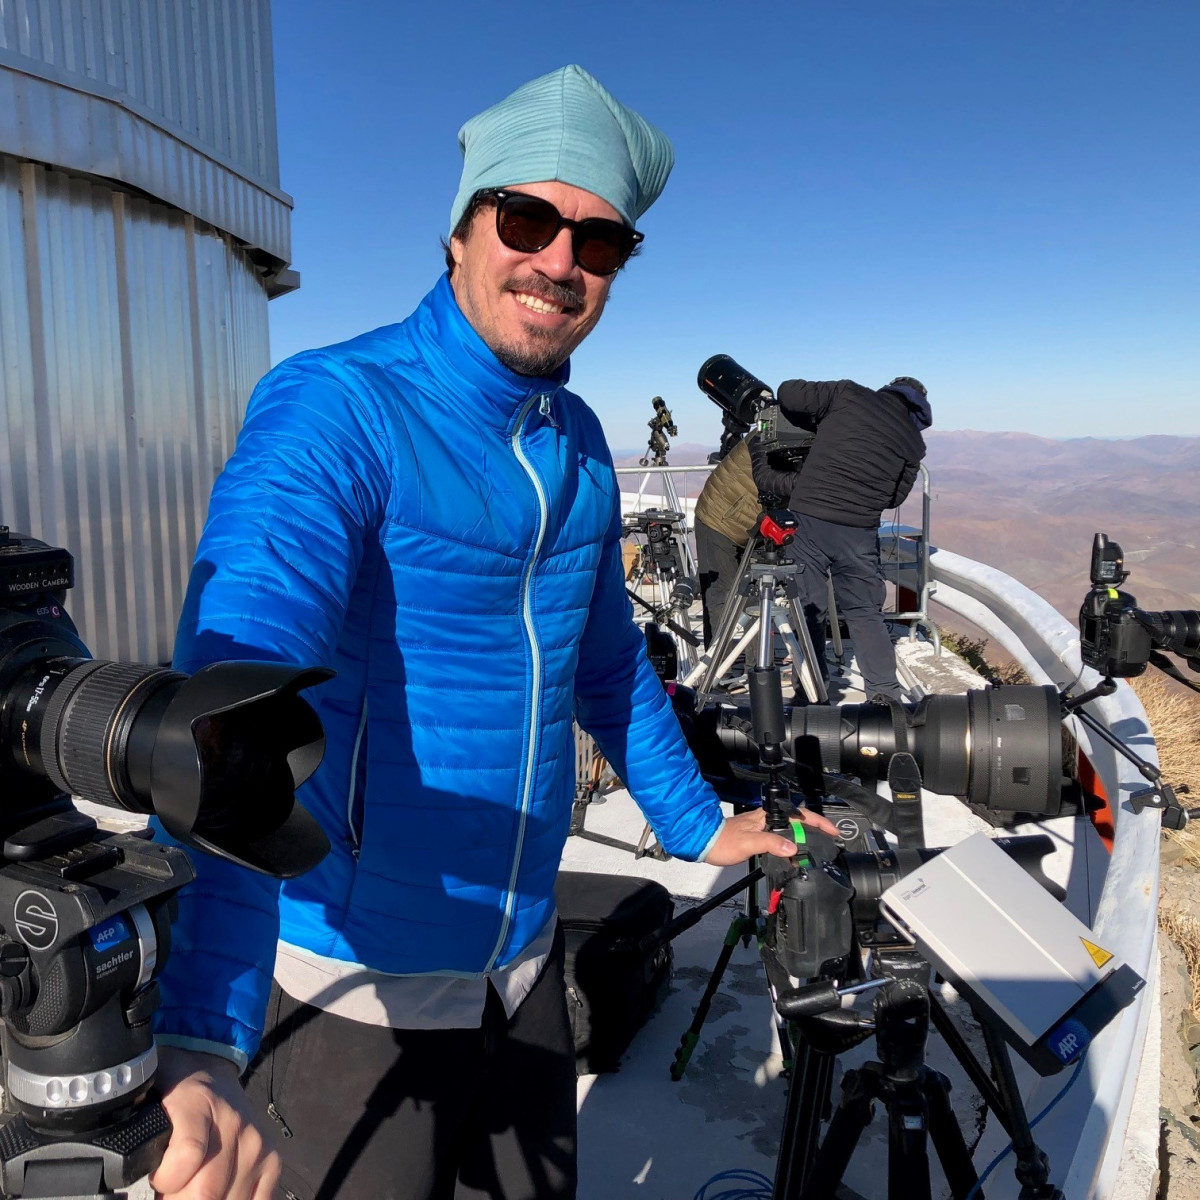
217,756
997,747
733,388
1176,630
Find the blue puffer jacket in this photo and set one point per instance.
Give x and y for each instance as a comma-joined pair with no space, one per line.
444,533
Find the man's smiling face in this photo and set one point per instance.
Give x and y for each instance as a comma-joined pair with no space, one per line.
531,309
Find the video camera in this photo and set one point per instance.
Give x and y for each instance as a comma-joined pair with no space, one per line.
825,900
746,402
85,915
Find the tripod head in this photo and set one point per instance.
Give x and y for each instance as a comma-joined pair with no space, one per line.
80,956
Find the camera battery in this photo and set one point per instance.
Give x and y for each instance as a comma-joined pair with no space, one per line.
1017,954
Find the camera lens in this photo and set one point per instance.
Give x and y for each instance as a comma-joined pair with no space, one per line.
998,747
733,388
89,726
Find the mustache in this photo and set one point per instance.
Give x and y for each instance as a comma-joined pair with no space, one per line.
545,289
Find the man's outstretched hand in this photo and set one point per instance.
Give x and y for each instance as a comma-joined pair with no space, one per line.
217,1151
746,835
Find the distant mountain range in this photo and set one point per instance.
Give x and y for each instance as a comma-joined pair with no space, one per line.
1030,505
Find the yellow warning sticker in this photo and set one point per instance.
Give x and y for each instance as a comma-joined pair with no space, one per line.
1099,956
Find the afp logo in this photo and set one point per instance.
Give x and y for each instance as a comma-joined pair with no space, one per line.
35,920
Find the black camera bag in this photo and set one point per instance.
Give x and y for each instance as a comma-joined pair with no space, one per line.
613,984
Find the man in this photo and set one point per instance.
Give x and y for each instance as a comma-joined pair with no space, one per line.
430,511
864,459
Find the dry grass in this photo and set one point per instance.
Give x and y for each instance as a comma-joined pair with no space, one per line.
996,668
1174,715
1175,722
1184,930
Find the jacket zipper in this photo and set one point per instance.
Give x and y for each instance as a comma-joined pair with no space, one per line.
535,655
355,832
272,1111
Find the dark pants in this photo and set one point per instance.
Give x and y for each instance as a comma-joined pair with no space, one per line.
717,559
851,555
397,1114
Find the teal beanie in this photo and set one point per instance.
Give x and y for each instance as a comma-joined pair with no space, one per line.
564,126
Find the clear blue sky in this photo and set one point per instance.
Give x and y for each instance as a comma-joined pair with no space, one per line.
1001,198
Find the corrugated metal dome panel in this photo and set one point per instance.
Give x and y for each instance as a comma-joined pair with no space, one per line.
172,97
131,336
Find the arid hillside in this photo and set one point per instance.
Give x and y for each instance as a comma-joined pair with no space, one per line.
1030,505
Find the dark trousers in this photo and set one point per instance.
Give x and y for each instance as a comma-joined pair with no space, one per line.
400,1114
717,560
851,555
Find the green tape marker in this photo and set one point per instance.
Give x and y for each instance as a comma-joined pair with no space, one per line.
798,832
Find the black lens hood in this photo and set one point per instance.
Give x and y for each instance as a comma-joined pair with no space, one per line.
278,741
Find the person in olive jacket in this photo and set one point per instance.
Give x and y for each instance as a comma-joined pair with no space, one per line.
726,510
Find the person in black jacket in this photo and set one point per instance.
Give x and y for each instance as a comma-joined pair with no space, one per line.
864,459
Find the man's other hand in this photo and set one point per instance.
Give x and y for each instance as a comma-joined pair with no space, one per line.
746,835
217,1150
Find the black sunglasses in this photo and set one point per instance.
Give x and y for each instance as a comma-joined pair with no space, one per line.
529,224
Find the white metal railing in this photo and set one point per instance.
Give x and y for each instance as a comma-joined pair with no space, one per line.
907,549
1087,1132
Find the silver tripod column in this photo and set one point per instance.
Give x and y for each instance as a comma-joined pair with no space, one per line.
766,626
764,574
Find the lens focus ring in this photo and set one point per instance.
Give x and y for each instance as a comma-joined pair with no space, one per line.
99,702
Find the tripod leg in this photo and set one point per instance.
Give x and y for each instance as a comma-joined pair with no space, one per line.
705,667
908,1144
947,1136
578,818
656,851
1033,1167
808,1098
750,909
813,681
835,628
587,762
727,627
853,1115
691,1038
801,674
672,498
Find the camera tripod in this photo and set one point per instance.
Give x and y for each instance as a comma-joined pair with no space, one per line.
916,1097
91,917
773,578
665,558
655,460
